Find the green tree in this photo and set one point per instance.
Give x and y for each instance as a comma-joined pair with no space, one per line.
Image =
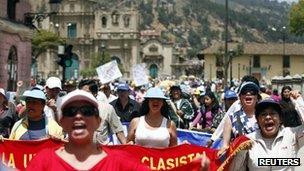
44,40
194,39
96,60
163,17
296,18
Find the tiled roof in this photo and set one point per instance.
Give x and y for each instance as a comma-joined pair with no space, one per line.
260,48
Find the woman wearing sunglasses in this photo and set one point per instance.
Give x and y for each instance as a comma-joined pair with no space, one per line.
272,139
79,118
241,120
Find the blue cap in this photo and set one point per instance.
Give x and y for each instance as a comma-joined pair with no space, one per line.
264,104
230,94
37,94
123,87
156,93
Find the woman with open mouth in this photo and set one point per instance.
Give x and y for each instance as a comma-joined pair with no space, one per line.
154,128
79,118
272,140
241,120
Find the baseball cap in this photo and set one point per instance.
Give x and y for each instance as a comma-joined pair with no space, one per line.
156,93
123,87
38,87
34,93
75,96
249,86
266,103
230,94
53,82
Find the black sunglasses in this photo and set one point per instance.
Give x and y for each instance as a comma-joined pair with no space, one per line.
32,100
252,92
84,110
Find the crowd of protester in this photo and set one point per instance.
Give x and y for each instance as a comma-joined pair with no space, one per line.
154,111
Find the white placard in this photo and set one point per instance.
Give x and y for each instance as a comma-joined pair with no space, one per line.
108,72
140,74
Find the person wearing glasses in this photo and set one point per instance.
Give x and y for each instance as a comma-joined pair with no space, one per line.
234,109
125,107
242,121
272,139
79,118
35,125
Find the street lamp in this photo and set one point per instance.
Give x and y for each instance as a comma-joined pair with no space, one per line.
102,49
283,31
284,39
210,67
231,55
226,44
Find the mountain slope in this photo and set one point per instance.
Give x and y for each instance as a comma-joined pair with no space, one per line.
197,23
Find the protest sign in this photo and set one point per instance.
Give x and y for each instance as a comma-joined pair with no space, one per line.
140,74
108,72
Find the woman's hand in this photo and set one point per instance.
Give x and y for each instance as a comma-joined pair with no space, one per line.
2,138
205,162
294,94
222,152
130,143
185,142
209,143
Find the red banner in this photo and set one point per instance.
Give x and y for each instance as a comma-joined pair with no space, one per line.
17,154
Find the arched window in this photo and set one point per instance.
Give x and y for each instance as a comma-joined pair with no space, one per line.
153,71
126,19
115,18
12,69
11,9
104,21
116,59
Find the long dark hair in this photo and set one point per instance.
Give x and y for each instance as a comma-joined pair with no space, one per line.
214,109
144,109
282,92
215,103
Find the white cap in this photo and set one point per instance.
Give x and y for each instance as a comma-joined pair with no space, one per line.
37,94
77,95
53,82
2,91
